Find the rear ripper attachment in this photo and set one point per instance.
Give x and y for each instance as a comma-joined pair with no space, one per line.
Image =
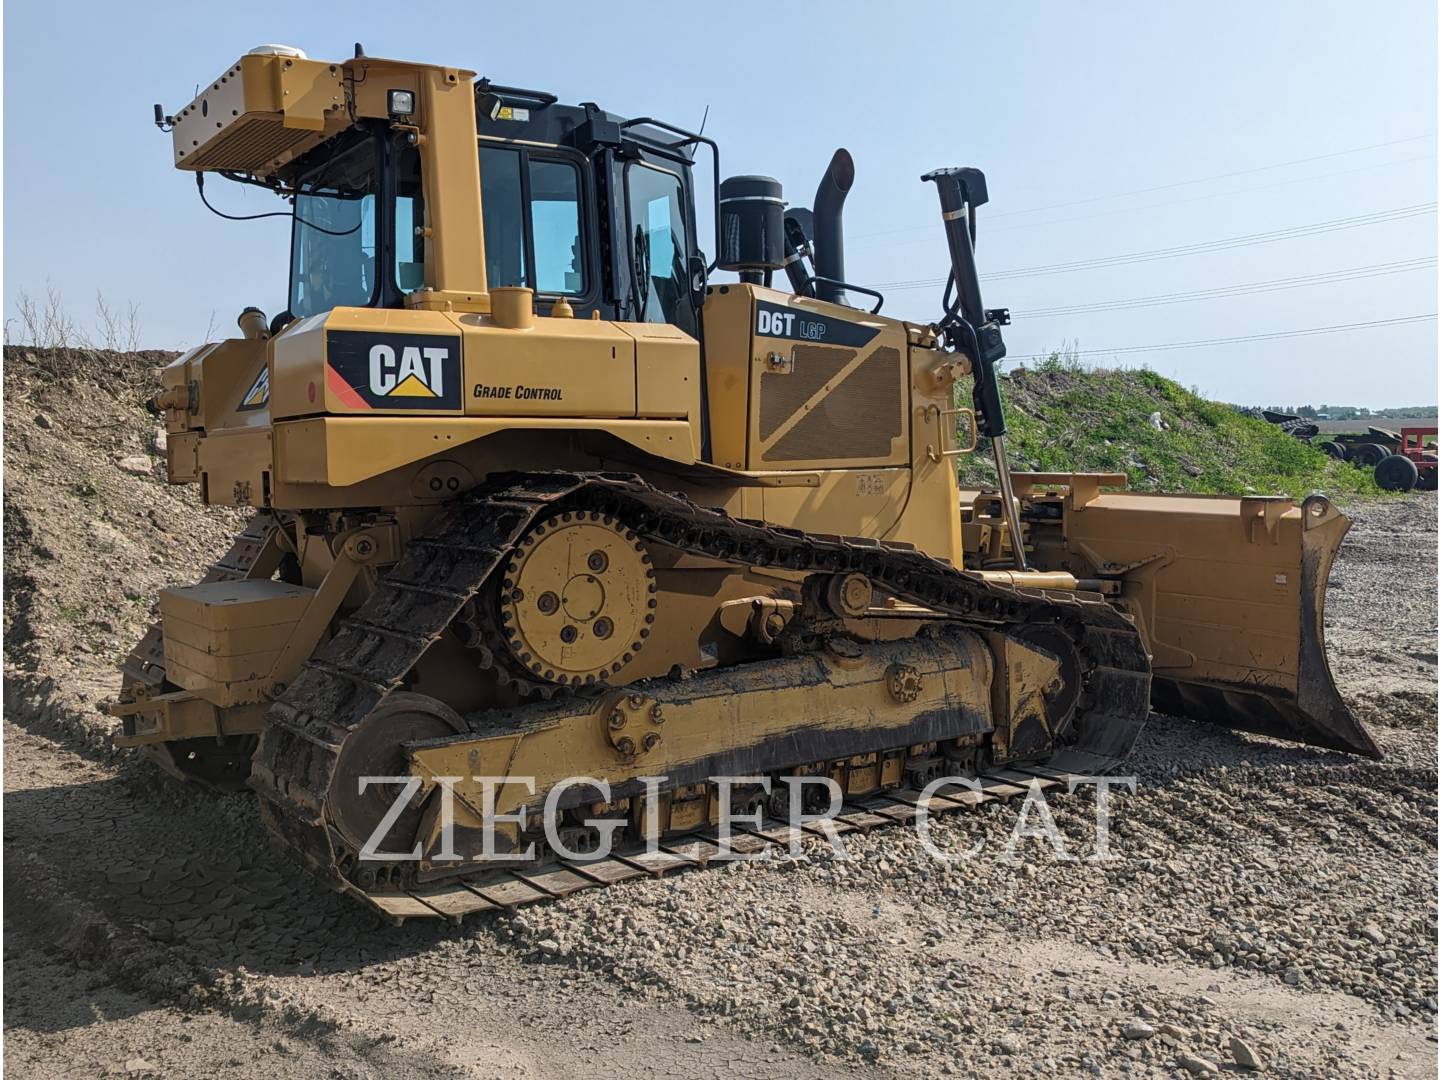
987,676
153,708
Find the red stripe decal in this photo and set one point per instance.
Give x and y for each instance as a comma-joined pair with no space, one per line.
347,394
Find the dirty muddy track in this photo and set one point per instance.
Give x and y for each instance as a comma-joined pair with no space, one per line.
367,659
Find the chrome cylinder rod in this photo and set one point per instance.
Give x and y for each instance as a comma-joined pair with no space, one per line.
1012,508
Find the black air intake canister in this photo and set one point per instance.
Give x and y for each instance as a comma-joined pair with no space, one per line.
752,226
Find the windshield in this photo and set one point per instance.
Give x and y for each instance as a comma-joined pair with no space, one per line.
332,252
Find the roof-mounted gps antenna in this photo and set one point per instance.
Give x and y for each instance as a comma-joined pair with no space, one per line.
359,50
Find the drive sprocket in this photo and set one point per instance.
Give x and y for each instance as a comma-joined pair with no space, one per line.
577,599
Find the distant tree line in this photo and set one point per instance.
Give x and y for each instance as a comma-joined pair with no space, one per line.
1353,412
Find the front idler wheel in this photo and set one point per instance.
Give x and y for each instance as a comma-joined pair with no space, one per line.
1060,700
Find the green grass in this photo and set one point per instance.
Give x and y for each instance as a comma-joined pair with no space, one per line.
1062,418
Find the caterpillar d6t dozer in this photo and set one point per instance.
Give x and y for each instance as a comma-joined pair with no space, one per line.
537,497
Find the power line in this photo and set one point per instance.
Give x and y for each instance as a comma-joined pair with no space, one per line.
1175,184
1227,244
1310,331
1356,273
1219,176
1132,210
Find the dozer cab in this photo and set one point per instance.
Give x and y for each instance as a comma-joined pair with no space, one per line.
543,492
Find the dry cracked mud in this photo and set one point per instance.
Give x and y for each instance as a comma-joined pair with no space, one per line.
1265,898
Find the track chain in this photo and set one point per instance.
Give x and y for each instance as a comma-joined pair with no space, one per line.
374,649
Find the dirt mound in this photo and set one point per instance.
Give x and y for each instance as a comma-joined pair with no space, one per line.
1064,418
92,530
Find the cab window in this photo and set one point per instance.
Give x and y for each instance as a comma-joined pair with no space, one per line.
657,234
409,221
531,207
332,251
555,226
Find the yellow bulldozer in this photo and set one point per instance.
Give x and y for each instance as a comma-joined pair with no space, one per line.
537,496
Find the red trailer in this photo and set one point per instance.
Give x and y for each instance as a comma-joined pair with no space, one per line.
1413,465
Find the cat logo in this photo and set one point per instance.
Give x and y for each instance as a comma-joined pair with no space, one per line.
258,396
393,371
417,373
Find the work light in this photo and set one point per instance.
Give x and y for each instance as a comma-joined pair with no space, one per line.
402,102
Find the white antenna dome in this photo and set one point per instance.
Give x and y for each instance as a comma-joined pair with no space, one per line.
278,50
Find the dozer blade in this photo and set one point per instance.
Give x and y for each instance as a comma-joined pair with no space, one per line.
1230,594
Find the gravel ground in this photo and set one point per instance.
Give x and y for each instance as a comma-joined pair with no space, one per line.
1265,900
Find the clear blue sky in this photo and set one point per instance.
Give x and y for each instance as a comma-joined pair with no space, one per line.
1065,106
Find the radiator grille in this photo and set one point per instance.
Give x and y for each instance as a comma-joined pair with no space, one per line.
251,143
781,395
858,420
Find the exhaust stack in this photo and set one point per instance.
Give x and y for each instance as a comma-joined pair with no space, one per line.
829,230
